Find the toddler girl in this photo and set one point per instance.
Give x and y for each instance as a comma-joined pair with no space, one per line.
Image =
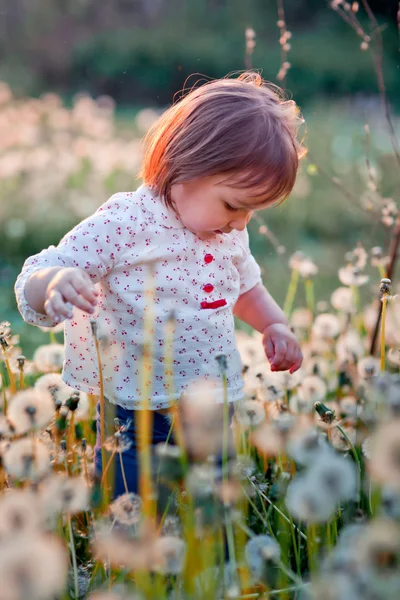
225,150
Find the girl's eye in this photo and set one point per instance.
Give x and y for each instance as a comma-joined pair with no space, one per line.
229,207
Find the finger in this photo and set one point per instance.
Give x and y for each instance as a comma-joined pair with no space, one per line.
280,353
55,305
69,292
85,288
269,348
298,362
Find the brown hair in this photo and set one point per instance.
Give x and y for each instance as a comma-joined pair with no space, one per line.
243,127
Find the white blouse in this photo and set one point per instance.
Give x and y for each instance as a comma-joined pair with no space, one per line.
131,243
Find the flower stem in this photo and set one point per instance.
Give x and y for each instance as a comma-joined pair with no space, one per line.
383,325
291,293
73,556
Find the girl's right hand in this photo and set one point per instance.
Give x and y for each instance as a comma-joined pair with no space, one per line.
69,286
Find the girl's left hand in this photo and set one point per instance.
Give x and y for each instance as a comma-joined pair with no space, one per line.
282,348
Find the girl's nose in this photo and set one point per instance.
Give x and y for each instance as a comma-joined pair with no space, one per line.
240,222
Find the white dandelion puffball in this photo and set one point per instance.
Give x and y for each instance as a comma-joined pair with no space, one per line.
336,474
26,459
169,555
326,326
127,509
393,356
312,389
383,454
343,300
53,385
250,413
368,367
35,563
20,513
30,410
307,503
352,276
259,549
306,446
60,493
49,358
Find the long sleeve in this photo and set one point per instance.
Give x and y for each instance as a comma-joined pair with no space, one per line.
95,245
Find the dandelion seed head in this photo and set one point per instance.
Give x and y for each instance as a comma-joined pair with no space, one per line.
126,509
49,358
26,459
62,494
29,410
259,549
326,326
34,565
169,555
250,413
307,503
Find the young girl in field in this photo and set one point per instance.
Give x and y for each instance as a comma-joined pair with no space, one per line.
225,150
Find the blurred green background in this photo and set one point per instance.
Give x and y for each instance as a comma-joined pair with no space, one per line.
62,154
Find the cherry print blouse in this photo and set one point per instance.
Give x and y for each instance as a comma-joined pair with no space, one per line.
131,242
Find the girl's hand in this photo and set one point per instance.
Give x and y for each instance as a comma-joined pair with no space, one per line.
282,348
69,286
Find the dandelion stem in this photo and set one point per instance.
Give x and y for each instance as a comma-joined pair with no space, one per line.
383,325
226,429
295,549
73,556
10,373
356,458
21,378
123,472
277,509
309,287
291,293
105,469
102,407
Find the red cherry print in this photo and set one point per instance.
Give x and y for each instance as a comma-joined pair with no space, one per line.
208,287
208,258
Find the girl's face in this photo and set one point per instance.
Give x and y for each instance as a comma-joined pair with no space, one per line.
209,206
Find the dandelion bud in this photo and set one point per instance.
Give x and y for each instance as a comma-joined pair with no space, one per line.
73,401
385,286
3,342
222,362
94,327
281,23
286,65
84,444
63,445
355,7
326,414
21,361
364,46
263,229
286,47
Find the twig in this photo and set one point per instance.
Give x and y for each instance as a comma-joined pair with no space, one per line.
393,252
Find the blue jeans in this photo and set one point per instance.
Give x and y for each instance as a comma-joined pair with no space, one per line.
130,458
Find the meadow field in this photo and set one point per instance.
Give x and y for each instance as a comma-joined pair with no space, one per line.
305,501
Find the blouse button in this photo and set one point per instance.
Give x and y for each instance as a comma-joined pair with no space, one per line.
208,258
208,287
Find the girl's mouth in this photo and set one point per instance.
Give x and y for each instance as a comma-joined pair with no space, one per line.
218,231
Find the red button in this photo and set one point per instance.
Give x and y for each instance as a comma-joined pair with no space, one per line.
208,258
208,288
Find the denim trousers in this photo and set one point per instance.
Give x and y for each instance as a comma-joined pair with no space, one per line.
130,458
